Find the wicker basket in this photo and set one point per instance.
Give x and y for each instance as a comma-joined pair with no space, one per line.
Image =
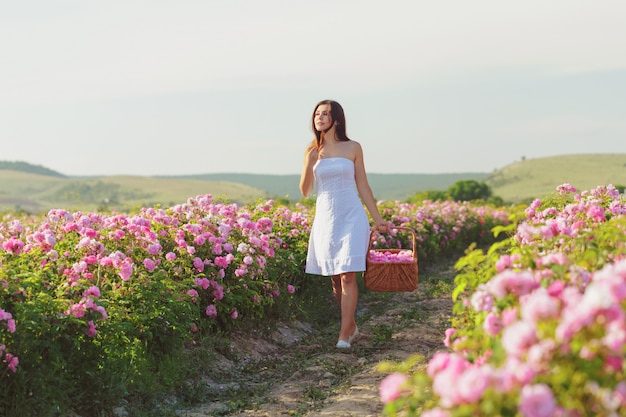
391,276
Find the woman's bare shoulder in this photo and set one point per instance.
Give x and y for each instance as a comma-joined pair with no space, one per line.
355,148
354,144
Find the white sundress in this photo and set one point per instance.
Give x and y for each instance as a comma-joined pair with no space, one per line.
340,232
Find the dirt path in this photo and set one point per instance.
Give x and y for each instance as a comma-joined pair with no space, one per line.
312,378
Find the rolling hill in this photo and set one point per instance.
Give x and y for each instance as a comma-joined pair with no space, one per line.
43,189
384,186
535,178
35,193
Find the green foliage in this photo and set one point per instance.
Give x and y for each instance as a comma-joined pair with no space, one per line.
58,360
432,195
469,190
496,201
381,334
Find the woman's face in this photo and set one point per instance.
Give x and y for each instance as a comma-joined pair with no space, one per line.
322,119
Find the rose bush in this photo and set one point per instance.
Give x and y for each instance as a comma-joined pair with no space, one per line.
441,227
539,321
96,307
99,298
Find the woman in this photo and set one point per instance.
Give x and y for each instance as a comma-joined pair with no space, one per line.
340,232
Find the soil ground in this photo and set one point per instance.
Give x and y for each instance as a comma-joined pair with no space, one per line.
297,371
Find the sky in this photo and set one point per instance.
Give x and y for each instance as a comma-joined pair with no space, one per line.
156,87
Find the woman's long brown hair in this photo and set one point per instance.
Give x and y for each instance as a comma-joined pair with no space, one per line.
337,115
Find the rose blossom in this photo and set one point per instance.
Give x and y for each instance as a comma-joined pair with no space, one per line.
391,388
537,401
211,311
518,337
539,305
198,264
492,324
512,282
436,412
481,299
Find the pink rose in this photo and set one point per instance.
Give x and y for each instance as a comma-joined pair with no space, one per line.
436,412
518,337
126,271
92,291
198,264
149,264
473,382
481,300
539,305
91,331
448,333
512,282
537,401
211,311
492,324
12,362
392,387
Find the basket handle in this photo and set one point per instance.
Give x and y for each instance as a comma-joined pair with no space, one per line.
408,229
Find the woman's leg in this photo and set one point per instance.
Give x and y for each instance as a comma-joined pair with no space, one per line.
347,296
336,280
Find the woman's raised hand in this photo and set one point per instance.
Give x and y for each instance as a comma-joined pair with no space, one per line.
312,156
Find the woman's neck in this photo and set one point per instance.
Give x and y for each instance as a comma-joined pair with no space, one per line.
330,134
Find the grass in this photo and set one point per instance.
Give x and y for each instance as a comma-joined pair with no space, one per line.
536,178
22,191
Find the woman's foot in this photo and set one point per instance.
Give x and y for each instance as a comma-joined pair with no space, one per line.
354,335
342,344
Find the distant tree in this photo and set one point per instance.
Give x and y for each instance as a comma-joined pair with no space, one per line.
282,201
469,190
495,200
431,195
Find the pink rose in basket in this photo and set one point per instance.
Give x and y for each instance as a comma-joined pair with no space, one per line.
379,256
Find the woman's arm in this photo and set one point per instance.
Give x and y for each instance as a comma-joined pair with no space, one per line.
364,189
306,178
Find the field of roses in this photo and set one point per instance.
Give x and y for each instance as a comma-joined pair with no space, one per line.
539,320
101,309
